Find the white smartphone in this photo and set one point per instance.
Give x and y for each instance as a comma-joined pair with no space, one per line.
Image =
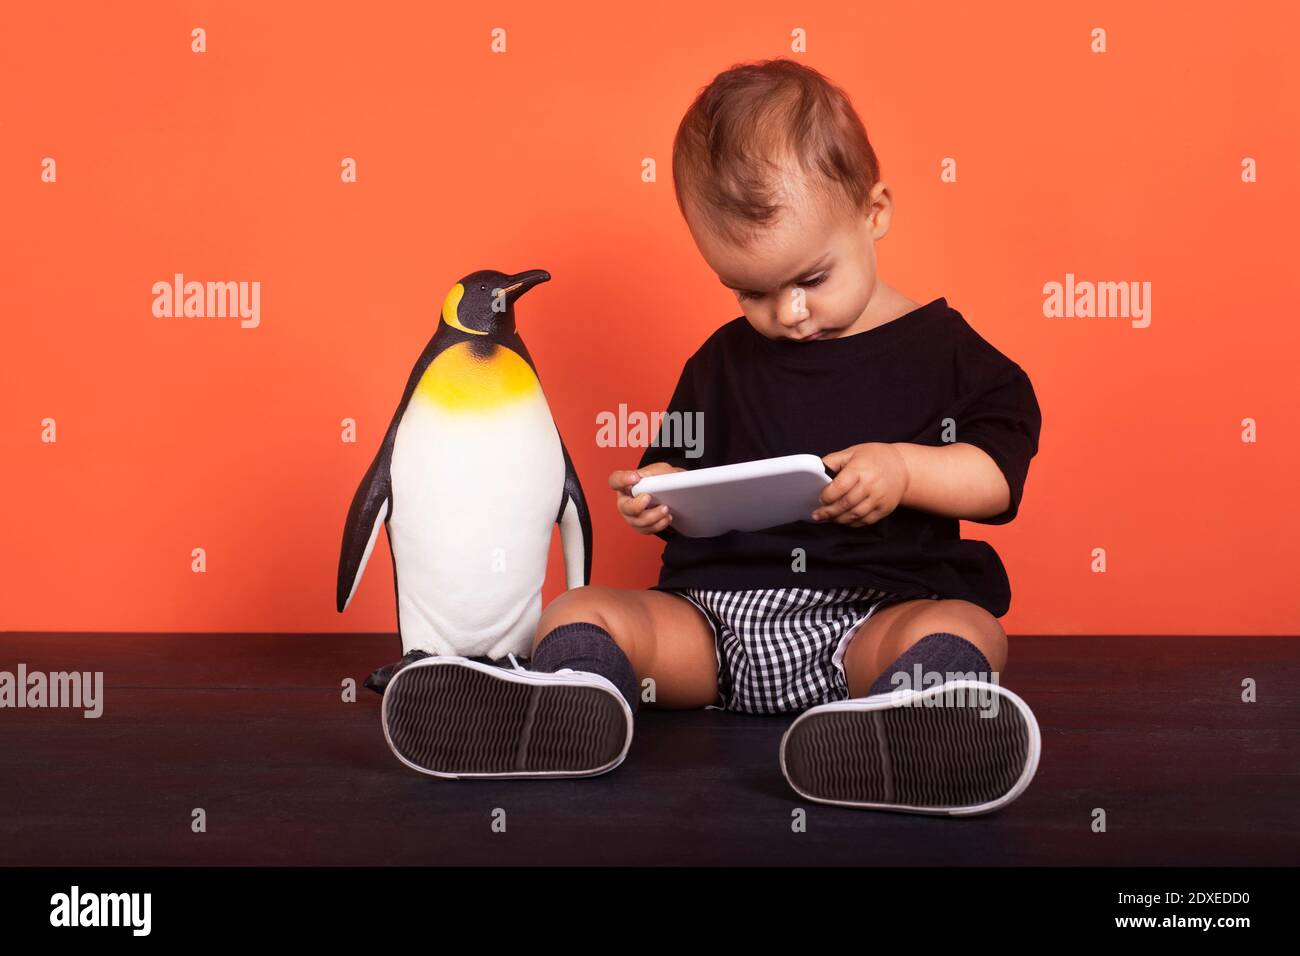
746,496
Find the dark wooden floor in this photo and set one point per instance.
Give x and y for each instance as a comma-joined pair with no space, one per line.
251,728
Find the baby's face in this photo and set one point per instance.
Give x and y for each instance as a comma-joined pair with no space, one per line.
809,275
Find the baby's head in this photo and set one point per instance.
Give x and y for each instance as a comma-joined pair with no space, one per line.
781,191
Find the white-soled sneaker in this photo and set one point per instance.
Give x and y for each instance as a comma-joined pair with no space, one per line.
452,717
929,751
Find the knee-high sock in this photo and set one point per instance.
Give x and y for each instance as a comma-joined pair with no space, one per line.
940,652
586,647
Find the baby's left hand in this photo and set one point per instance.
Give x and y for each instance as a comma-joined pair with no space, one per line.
871,482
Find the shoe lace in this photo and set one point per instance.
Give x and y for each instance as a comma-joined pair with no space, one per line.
521,667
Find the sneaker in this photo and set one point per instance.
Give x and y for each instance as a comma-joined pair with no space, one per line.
454,717
893,752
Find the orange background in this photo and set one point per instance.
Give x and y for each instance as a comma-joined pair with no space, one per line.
183,433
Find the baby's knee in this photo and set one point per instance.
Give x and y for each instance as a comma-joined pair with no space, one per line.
966,620
602,606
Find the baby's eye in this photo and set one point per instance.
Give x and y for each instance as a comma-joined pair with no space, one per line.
815,280
745,296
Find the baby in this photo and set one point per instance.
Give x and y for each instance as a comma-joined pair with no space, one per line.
873,621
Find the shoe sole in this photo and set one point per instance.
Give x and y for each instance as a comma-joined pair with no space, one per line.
456,718
876,753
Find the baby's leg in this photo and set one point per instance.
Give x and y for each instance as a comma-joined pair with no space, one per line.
453,717
963,753
664,637
883,638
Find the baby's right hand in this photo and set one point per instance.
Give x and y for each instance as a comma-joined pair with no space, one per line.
636,510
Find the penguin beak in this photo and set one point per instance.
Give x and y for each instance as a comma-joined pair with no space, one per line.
519,283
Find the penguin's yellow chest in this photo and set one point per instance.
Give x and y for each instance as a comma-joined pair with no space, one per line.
459,380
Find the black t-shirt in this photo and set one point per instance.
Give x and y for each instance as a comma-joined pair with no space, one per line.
910,380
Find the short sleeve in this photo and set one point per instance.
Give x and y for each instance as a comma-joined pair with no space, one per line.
1002,418
676,435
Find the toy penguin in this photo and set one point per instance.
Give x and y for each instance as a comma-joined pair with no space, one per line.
470,477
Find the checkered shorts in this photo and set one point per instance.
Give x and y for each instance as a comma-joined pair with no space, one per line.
782,650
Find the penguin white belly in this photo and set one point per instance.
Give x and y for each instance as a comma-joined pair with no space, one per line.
477,477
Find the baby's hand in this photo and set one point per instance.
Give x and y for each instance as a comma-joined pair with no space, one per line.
635,510
872,479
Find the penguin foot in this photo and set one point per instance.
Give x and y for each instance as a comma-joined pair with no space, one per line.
378,680
455,717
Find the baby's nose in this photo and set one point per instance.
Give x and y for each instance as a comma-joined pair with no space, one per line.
791,310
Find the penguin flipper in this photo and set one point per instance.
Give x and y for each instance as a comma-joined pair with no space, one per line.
373,503
370,508
575,527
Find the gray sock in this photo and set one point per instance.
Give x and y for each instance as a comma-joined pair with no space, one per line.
940,652
586,647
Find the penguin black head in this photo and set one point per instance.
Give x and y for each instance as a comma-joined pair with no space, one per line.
483,302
